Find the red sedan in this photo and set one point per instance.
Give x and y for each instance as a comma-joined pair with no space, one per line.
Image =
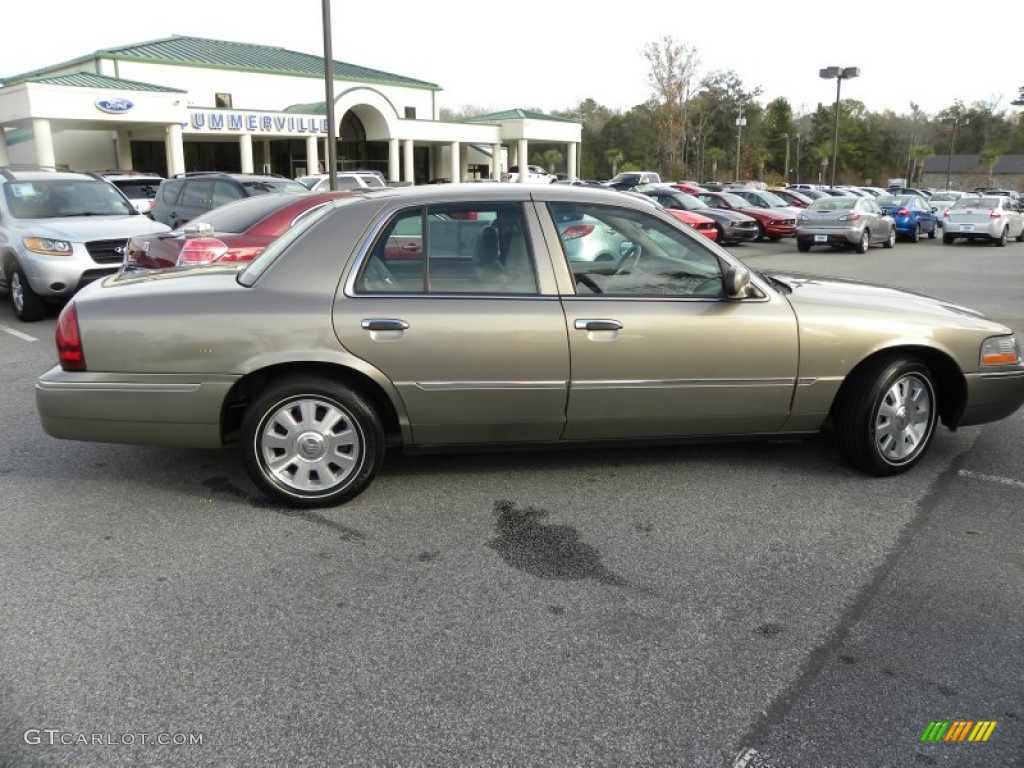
771,224
238,231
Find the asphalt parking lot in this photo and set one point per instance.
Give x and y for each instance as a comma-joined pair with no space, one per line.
642,607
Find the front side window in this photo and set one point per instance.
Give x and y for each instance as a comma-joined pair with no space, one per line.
622,252
478,248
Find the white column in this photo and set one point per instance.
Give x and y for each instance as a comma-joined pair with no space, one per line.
571,162
245,146
175,150
44,141
5,158
124,150
523,155
266,155
410,171
394,160
454,162
496,162
312,154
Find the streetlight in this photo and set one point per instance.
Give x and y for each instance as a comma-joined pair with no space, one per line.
332,147
840,74
740,122
954,121
786,165
798,158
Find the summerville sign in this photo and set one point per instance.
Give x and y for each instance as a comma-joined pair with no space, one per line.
219,121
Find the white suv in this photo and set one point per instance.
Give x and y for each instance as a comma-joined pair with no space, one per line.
320,182
58,231
138,187
534,175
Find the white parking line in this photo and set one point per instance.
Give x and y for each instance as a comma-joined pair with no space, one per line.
991,478
19,334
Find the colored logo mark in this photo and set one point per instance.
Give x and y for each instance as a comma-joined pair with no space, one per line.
958,730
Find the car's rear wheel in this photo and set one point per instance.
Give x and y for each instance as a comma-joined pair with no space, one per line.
885,416
890,241
311,442
1003,237
28,305
1020,237
947,239
865,241
933,232
803,245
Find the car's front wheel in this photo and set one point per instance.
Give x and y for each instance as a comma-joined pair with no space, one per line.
885,416
865,242
890,241
28,305
311,442
933,232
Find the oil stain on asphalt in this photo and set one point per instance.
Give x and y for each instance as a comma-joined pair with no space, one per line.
552,552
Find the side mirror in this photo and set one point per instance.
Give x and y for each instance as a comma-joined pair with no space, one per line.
737,281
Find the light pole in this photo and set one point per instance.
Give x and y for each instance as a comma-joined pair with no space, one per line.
954,121
840,74
740,122
785,169
332,147
798,158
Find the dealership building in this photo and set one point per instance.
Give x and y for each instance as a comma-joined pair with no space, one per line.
192,104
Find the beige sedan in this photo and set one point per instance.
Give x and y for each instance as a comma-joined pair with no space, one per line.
476,326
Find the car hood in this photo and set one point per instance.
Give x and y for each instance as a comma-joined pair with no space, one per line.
725,215
81,229
814,291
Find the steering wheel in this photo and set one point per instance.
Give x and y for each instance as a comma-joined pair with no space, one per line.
588,281
632,253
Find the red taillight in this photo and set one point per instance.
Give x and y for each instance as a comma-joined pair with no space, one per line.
201,250
903,212
577,231
945,214
69,341
995,215
850,217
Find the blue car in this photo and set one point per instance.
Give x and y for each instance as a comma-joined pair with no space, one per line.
913,214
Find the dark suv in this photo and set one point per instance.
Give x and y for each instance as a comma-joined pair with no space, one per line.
183,197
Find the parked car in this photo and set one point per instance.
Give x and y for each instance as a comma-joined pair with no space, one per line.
912,214
60,230
631,179
689,187
316,356
534,175
762,198
703,224
187,195
989,217
940,201
771,224
875,191
137,186
792,197
814,194
238,231
321,182
733,226
910,191
844,222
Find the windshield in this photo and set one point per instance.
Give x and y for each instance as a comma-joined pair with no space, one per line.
631,178
60,198
734,200
265,186
773,200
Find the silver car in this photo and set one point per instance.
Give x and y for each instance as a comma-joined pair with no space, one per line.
994,218
331,346
856,222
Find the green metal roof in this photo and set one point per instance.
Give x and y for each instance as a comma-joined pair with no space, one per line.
181,50
515,114
315,108
92,80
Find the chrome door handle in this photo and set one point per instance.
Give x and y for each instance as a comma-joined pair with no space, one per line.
383,324
597,325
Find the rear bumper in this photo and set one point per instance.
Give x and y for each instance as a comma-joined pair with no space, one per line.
992,396
149,409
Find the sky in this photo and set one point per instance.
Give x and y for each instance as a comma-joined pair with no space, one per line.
552,54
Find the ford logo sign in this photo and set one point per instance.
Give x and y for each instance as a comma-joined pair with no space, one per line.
114,106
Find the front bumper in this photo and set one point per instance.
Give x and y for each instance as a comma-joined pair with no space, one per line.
148,409
992,396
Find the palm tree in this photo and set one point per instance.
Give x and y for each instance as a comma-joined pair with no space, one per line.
762,156
614,157
715,155
988,157
917,155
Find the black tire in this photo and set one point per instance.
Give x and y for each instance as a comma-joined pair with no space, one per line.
1004,236
803,246
28,305
933,232
321,409
721,234
1020,237
885,416
915,236
947,239
890,241
865,241
760,232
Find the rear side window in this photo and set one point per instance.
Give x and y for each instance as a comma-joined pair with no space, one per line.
198,194
452,249
170,190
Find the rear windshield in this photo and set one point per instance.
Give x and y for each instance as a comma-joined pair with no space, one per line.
988,203
266,186
58,198
833,204
241,215
137,189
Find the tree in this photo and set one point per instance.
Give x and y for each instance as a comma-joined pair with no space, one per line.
715,156
988,158
552,159
917,156
672,75
614,157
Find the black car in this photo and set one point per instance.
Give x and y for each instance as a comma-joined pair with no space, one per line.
186,195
